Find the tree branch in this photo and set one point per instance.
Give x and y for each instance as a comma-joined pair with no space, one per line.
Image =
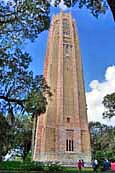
112,7
17,101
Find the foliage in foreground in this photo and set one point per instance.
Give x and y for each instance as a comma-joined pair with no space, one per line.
21,92
38,166
30,166
16,165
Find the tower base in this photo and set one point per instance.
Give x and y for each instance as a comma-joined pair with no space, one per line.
65,159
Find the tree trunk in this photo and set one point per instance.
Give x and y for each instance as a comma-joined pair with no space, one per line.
34,132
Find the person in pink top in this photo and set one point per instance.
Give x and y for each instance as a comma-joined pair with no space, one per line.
113,166
79,165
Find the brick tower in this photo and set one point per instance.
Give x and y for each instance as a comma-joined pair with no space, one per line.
62,132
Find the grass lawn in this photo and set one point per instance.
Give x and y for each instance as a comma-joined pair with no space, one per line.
17,165
22,167
75,170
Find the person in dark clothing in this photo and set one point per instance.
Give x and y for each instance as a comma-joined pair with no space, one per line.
106,165
95,165
82,161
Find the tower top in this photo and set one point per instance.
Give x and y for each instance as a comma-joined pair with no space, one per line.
62,15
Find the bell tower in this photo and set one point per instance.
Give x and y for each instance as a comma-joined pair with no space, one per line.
62,132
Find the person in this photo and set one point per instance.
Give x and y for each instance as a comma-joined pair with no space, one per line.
83,164
82,161
106,165
112,165
95,165
79,165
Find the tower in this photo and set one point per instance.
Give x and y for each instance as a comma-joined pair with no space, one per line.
62,132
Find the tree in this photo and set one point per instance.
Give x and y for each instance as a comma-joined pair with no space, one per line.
20,19
23,135
109,104
20,93
96,133
5,136
15,136
95,6
20,90
102,140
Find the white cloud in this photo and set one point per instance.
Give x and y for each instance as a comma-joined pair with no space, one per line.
62,6
110,73
95,96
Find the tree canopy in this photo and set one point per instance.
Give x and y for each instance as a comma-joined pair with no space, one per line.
102,140
109,104
20,90
21,19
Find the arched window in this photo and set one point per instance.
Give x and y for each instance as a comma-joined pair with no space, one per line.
69,145
69,140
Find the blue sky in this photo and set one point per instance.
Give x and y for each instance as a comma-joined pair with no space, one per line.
97,45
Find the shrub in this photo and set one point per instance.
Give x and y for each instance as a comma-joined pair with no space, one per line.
54,167
37,166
